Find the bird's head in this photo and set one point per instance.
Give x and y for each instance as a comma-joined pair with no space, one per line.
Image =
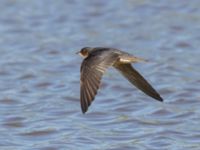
84,52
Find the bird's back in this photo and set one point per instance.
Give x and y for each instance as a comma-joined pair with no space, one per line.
103,51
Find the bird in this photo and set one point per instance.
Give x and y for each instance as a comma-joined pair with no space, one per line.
97,60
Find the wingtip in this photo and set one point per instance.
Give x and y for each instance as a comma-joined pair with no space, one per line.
84,110
157,97
160,99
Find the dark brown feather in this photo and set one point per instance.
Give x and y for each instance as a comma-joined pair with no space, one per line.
138,80
92,70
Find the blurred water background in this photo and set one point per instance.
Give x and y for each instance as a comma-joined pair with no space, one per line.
39,75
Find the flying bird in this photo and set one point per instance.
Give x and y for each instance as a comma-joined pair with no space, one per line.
97,60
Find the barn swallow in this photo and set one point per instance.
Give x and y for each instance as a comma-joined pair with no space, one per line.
97,61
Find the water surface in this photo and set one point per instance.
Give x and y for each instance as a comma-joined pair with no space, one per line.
39,75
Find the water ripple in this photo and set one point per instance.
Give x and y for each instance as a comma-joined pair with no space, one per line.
39,75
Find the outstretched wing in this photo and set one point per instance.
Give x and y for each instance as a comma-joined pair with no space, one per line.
138,80
92,70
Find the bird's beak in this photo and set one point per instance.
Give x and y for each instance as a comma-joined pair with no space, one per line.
78,52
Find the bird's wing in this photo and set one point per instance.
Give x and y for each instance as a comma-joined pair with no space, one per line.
92,70
138,80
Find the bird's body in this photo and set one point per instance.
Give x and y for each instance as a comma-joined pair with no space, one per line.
97,60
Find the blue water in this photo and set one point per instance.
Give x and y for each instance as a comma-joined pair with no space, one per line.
39,75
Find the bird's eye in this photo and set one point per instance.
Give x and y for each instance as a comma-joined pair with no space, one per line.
84,51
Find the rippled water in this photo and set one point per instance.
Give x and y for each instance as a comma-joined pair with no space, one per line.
39,75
